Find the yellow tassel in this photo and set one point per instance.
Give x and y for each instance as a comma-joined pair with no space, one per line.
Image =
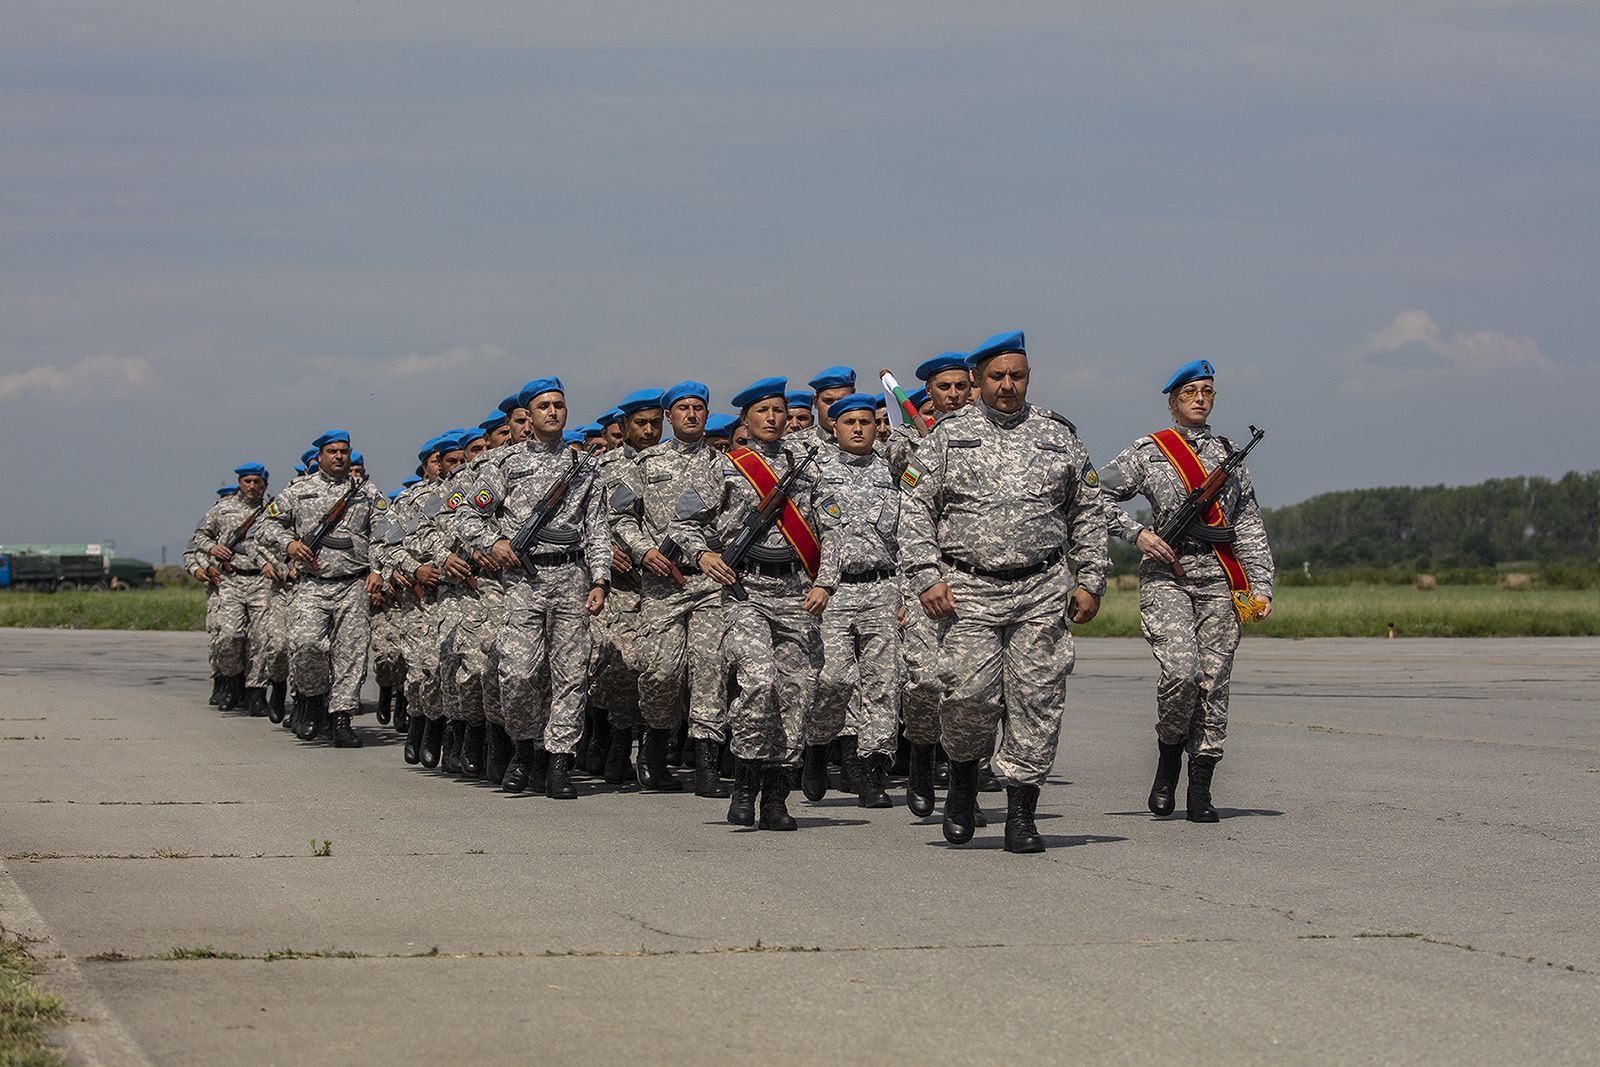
1247,607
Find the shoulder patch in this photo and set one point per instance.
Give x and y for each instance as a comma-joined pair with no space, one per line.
1090,478
456,500
483,499
380,502
912,475
831,508
272,509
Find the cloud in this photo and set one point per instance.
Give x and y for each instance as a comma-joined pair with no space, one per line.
1413,348
95,375
459,357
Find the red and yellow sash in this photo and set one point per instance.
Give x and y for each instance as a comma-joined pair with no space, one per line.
1182,456
791,524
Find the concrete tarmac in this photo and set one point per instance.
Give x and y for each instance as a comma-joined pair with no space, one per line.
1406,872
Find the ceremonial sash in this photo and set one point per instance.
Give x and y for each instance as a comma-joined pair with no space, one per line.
1181,455
791,524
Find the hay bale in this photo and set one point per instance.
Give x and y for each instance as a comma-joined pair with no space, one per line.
1424,581
1127,583
1516,581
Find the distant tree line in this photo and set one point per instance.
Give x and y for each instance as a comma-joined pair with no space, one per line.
1503,519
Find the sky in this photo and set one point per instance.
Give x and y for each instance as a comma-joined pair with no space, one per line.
226,228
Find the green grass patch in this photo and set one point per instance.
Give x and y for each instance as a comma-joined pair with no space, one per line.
1367,611
177,608
25,1012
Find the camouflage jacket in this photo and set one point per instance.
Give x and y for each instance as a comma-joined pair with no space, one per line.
859,527
704,521
350,550
220,524
644,502
512,482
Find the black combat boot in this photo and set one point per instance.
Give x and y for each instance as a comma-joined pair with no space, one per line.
746,784
852,768
593,762
775,785
309,716
675,740
941,768
874,782
472,737
585,739
414,730
1021,834
232,690
653,773
707,769
919,782
1168,766
385,704
402,721
433,742
277,699
1200,809
499,749
255,701
454,734
960,801
618,769
814,772
987,782
521,765
558,780
343,735
216,690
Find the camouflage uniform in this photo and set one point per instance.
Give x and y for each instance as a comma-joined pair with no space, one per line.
614,685
998,493
330,627
244,595
1190,622
462,612
419,611
388,650
770,639
860,631
546,620
680,628
921,686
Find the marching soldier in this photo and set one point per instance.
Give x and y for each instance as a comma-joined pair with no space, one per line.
244,591
1192,596
800,415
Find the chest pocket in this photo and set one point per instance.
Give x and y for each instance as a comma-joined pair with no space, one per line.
885,513
963,462
1051,473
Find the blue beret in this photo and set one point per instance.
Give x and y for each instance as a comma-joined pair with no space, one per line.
467,438
397,492
432,445
494,422
611,415
299,468
538,386
251,468
918,398
457,438
684,390
307,456
834,378
227,490
998,345
1190,372
312,467
357,459
571,437
799,398
409,482
946,361
760,391
638,400
591,429
721,425
418,478
883,401
330,437
510,404
853,402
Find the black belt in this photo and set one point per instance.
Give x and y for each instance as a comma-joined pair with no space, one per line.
868,576
774,570
556,558
1011,575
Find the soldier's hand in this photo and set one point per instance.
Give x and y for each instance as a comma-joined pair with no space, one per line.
938,601
501,553
620,560
817,600
268,571
212,575
596,601
299,550
487,563
427,574
1151,545
657,564
222,552
900,618
1084,605
711,563
1266,607
374,585
457,568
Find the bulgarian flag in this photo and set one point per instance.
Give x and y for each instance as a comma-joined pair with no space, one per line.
909,415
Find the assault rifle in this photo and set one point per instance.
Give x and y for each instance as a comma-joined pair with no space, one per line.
544,511
673,552
233,542
320,532
760,521
1188,521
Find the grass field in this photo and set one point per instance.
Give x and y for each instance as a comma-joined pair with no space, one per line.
25,1012
1315,611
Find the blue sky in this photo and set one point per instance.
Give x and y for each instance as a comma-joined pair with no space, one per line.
226,228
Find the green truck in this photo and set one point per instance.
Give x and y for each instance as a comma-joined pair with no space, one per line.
49,568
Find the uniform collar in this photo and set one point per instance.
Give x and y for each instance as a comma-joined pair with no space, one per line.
1000,418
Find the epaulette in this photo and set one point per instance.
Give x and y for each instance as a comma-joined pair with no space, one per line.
1058,417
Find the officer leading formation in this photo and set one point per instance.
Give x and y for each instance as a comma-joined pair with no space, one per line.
763,597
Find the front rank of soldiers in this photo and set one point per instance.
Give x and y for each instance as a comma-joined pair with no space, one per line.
793,587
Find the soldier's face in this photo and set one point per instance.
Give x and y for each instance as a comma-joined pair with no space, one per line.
826,397
1003,381
477,448
950,389
519,423
856,431
688,418
767,419
883,423
548,412
1192,409
643,428
335,459
741,435
430,468
612,436
449,461
800,419
251,486
499,435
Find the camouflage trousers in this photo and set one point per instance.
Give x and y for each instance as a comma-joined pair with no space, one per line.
1004,657
276,652
1193,631
419,624
329,631
211,609
922,686
468,667
238,645
615,674
860,677
775,648
388,650
546,624
681,632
